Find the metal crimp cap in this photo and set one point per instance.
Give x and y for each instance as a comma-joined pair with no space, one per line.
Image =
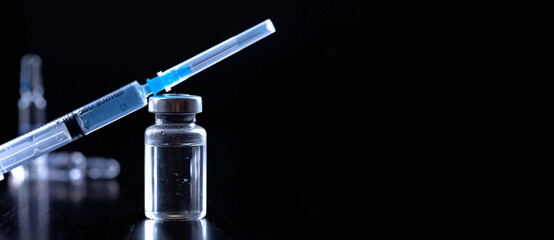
175,103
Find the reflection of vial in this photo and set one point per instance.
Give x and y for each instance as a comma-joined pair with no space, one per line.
175,159
195,229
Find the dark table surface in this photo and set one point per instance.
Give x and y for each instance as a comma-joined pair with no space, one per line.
113,209
94,209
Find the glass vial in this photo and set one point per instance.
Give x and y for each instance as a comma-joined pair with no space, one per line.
175,159
32,114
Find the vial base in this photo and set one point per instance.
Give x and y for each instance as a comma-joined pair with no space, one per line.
175,216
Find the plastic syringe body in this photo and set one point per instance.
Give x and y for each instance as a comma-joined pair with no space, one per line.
72,126
119,103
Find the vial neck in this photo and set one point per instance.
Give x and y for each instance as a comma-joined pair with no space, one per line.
172,118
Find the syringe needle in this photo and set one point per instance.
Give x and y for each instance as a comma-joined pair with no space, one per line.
181,72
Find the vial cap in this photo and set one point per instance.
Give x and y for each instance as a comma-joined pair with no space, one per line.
175,103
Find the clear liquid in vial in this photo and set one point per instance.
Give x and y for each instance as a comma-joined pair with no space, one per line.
175,182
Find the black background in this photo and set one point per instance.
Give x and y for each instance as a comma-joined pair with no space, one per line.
275,113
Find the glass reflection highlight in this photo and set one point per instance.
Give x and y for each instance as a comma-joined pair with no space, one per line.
157,230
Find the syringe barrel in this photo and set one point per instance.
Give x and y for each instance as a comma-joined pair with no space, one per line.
111,107
34,144
72,126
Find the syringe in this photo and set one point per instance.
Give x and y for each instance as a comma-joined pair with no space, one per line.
119,103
